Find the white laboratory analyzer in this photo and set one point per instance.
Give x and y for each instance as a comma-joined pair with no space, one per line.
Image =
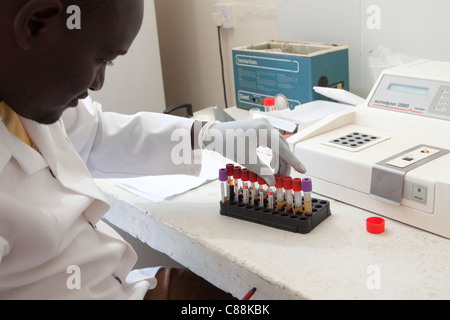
391,154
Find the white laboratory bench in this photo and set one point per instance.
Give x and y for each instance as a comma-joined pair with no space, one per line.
338,259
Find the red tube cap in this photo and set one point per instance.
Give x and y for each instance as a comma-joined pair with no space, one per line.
297,184
230,167
261,180
375,225
245,174
278,181
287,183
252,177
237,172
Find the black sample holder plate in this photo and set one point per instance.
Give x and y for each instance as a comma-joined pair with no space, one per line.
299,223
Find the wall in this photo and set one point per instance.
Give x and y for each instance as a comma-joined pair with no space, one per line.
393,31
190,50
135,83
189,67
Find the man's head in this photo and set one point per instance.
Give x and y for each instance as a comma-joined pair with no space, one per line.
45,67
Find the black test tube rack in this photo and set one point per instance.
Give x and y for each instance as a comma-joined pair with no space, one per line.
299,223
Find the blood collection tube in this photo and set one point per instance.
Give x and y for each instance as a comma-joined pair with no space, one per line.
270,198
253,188
230,167
237,183
262,186
297,187
245,185
287,185
279,192
307,188
224,189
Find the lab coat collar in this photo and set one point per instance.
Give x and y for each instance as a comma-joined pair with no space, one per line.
44,141
11,146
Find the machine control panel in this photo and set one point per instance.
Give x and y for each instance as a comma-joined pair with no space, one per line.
441,103
415,96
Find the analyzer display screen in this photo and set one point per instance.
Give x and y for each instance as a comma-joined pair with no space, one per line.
408,89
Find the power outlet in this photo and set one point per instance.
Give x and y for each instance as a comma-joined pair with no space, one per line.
225,11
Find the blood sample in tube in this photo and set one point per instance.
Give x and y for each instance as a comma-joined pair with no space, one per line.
297,187
254,200
287,185
279,192
245,185
230,167
307,188
224,189
237,183
262,190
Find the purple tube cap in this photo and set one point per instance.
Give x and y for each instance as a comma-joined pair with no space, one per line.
307,185
223,174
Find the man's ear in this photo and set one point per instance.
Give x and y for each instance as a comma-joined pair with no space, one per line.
38,20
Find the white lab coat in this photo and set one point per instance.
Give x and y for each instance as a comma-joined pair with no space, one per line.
53,244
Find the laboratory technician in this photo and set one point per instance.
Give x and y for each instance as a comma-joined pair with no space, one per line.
54,139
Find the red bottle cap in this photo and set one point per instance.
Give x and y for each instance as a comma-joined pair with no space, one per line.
375,225
261,180
278,181
252,177
270,101
237,172
230,167
287,183
245,174
297,184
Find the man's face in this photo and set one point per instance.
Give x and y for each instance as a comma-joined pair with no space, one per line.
57,76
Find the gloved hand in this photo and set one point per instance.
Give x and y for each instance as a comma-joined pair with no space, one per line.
238,141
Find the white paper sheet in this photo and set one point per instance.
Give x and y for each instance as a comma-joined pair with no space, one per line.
160,188
313,111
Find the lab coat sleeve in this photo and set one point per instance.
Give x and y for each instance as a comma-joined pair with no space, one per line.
114,145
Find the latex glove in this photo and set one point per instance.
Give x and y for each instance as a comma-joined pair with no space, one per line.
238,141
